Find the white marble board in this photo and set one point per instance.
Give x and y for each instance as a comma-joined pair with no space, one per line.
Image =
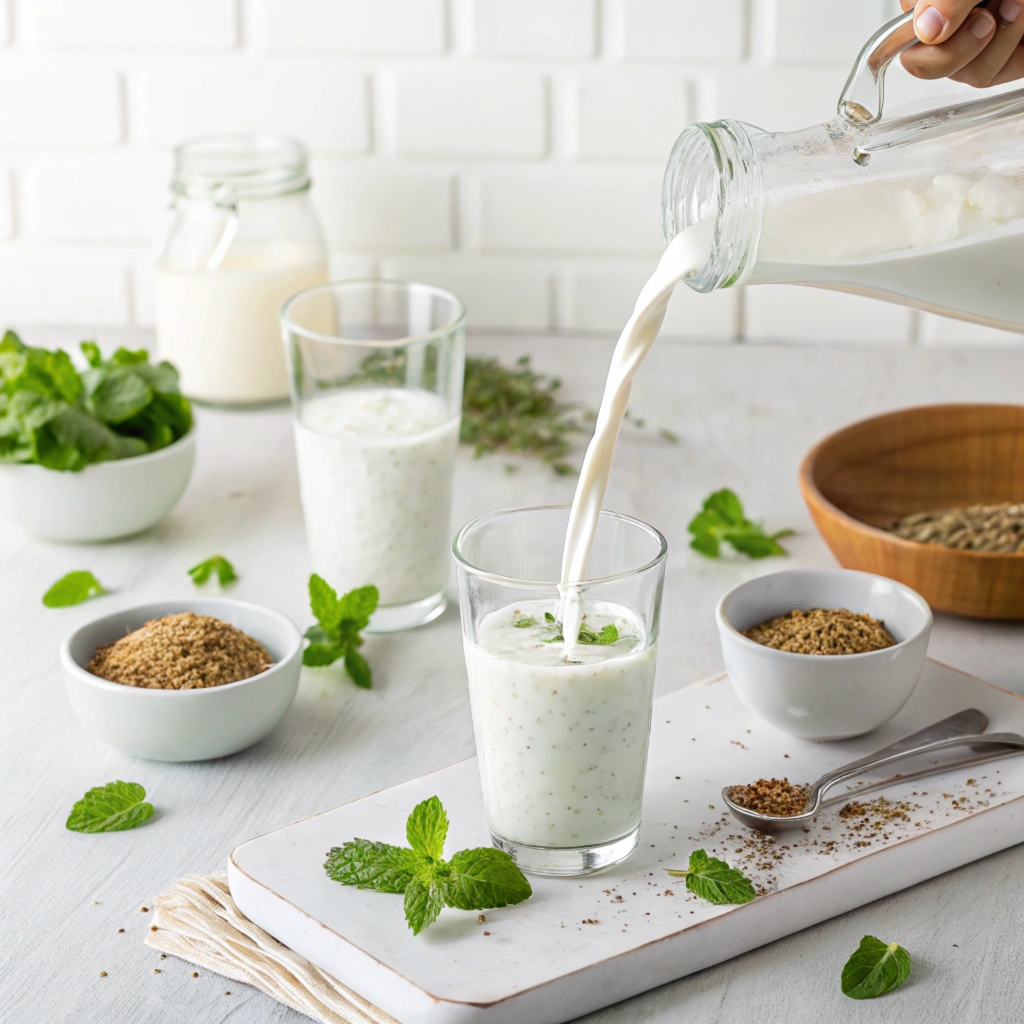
582,944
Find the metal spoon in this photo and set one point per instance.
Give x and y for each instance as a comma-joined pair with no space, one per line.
1007,744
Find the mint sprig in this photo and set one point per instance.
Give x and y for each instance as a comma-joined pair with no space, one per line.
479,879
216,564
723,520
713,880
115,807
74,588
875,968
340,620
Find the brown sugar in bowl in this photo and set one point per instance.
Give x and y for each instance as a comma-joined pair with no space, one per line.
863,477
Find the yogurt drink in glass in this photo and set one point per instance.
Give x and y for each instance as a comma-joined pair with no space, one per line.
376,369
561,730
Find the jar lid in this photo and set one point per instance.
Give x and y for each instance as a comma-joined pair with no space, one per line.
226,168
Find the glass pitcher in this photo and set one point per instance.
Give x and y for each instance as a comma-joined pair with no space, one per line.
243,239
925,210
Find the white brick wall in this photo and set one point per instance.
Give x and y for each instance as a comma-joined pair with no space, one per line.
510,150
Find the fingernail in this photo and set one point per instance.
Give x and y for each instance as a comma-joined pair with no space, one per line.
982,25
1008,11
929,24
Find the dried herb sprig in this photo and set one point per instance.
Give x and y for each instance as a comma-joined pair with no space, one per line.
516,409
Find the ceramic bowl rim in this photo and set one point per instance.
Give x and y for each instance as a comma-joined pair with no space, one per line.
813,493
108,465
82,675
843,659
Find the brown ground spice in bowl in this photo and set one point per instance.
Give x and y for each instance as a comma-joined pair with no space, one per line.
822,631
181,652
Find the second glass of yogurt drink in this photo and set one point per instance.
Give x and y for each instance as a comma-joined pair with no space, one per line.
376,379
561,728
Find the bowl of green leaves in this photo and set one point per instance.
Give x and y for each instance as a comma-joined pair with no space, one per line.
91,452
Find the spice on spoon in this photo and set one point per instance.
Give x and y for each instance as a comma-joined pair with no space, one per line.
181,652
771,796
822,631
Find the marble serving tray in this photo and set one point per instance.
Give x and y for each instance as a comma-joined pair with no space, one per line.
581,944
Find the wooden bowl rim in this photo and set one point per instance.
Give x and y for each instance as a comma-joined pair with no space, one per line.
814,497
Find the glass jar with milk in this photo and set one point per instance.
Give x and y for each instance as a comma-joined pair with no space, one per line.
243,239
925,209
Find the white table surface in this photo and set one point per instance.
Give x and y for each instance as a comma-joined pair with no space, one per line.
745,415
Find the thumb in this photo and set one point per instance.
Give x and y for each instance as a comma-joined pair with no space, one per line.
936,20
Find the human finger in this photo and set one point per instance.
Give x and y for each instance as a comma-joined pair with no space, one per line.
986,67
935,21
1011,70
939,60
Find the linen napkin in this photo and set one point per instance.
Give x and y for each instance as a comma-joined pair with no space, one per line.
197,920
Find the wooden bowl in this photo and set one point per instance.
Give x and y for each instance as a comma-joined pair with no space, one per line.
871,473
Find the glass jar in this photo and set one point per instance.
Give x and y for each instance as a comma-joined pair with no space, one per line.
925,210
244,238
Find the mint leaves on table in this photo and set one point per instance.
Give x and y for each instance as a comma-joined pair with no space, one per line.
74,588
52,415
713,880
340,621
722,519
875,968
480,879
115,807
216,564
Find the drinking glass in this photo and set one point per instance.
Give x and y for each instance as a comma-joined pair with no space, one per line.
375,371
561,731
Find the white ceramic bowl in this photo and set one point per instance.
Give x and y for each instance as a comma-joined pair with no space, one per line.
184,725
824,697
102,502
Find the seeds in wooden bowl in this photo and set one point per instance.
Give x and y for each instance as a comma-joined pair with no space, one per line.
181,652
998,529
822,631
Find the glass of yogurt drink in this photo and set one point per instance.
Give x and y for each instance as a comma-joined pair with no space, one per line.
561,728
375,371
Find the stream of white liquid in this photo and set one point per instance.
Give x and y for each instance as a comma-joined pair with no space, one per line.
685,255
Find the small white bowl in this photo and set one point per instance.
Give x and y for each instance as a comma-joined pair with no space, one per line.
824,697
184,725
104,501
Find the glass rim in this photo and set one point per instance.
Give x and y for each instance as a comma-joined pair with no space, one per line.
354,283
279,166
512,581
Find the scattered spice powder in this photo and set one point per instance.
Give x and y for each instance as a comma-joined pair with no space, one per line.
771,796
181,652
822,631
992,528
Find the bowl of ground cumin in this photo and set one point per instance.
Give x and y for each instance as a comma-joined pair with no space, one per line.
824,654
183,680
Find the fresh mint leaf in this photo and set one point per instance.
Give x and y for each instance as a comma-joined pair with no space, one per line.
375,866
524,622
427,828
115,807
484,878
74,588
216,564
608,635
713,880
359,669
323,602
118,395
723,520
549,618
424,900
320,655
479,879
340,621
875,968
358,605
91,351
